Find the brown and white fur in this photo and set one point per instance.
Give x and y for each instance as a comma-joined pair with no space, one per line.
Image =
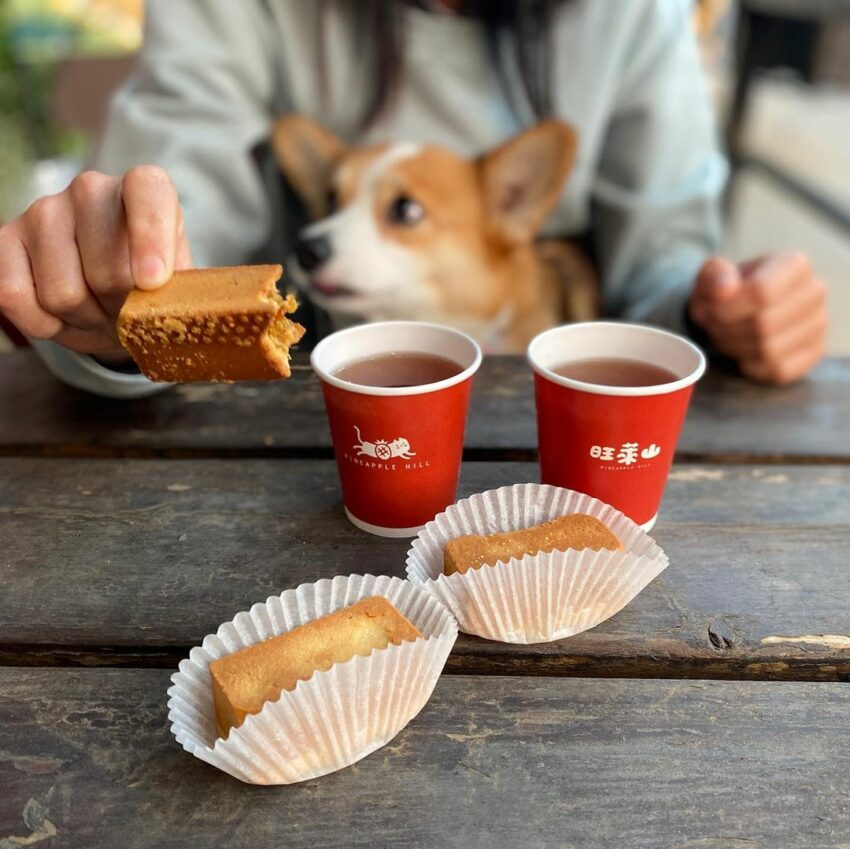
408,231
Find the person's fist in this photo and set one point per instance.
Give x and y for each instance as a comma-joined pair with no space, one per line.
68,263
768,314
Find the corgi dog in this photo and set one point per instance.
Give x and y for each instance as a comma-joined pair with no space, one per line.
410,231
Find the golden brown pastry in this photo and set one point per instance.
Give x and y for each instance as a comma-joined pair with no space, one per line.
244,681
575,531
211,324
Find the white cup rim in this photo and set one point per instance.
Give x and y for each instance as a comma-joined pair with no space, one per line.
598,389
395,391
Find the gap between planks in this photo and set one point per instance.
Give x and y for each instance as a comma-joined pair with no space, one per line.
290,452
465,662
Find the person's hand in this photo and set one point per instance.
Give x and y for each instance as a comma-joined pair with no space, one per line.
68,263
768,314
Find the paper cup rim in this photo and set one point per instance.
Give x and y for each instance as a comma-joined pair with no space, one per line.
391,391
630,391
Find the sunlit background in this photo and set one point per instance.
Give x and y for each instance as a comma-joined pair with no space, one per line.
784,63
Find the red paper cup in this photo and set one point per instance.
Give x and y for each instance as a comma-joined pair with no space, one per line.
615,443
398,450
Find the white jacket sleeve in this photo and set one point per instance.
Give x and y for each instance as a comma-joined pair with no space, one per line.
203,95
656,198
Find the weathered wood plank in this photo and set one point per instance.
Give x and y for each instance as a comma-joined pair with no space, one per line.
731,419
504,762
134,561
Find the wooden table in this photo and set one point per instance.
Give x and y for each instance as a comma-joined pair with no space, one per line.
711,713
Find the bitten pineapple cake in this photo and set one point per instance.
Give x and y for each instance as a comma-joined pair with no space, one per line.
217,324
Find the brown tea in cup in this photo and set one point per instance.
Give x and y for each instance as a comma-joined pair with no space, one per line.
398,369
615,371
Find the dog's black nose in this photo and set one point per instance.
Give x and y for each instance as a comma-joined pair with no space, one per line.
313,252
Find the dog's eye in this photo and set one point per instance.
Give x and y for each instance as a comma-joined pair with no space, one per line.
331,200
405,210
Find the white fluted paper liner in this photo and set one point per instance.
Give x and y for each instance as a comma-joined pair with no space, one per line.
336,717
541,597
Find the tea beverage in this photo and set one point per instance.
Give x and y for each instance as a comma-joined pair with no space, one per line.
398,369
611,398
397,414
615,371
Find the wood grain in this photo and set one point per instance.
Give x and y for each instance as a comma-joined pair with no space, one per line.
731,419
545,763
134,561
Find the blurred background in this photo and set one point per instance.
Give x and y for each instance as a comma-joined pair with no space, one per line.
779,71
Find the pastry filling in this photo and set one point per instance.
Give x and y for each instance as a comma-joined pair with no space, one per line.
283,332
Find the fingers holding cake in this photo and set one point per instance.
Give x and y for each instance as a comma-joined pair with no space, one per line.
18,299
57,270
129,231
69,261
103,251
42,291
154,219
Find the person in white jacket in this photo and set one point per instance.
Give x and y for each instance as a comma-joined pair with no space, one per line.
176,183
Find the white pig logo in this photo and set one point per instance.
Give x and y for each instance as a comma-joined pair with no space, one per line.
383,450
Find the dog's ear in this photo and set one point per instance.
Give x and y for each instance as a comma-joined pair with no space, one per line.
523,178
306,153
